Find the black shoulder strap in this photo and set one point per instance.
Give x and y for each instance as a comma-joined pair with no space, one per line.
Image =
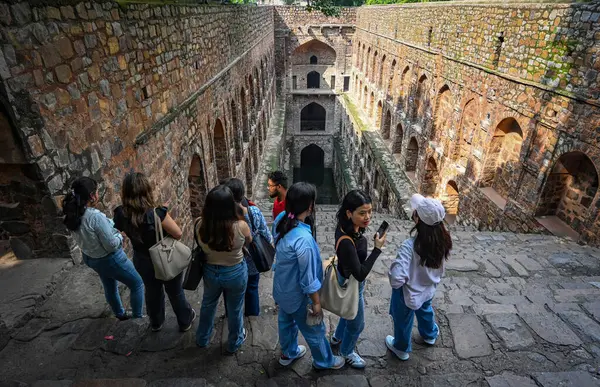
251,218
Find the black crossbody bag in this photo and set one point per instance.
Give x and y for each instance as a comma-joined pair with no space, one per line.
260,249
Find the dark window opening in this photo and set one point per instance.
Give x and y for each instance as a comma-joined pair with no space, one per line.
333,82
346,83
429,36
294,82
498,51
312,117
313,80
313,59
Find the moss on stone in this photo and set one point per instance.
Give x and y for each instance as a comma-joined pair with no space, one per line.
353,109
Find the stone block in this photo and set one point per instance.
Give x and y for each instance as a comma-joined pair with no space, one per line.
511,330
585,326
179,382
494,308
127,336
52,383
21,248
560,379
462,265
470,339
550,328
21,12
343,381
452,380
507,379
63,73
110,383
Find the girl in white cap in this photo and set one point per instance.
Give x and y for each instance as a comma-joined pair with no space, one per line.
415,273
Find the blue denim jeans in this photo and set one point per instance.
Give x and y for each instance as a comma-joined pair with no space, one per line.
116,267
348,331
290,323
252,303
404,317
232,281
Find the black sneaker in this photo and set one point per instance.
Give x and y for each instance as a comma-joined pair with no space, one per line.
157,328
187,327
124,316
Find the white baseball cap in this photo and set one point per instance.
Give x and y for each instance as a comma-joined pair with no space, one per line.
430,211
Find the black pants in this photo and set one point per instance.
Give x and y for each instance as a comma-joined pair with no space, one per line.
155,294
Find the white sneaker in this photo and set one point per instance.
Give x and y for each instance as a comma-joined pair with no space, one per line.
389,342
337,364
355,361
286,361
334,341
430,341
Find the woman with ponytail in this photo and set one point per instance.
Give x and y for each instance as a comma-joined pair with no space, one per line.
297,281
415,274
102,246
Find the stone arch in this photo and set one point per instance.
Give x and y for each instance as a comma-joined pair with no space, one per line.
374,68
258,88
503,157
314,59
570,189
381,71
430,179
236,132
197,186
357,56
421,98
245,126
385,199
248,174
366,63
251,90
378,115
323,52
312,156
387,126
367,187
405,83
443,116
254,154
372,104
313,117
397,147
365,97
412,155
469,124
313,80
451,198
221,151
390,85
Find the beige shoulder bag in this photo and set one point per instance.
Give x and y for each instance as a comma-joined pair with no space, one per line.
339,299
169,256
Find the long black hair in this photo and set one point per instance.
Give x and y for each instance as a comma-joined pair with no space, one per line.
432,243
219,214
75,202
351,202
299,198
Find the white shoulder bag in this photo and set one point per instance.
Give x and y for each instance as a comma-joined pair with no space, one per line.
169,256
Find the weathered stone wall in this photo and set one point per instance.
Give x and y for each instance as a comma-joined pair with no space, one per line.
299,34
456,76
96,89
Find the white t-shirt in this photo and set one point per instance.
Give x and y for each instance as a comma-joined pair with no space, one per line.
418,282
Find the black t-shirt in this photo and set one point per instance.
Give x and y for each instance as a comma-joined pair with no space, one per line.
144,236
353,260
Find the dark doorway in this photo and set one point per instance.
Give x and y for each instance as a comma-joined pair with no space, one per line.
313,59
312,170
313,80
312,117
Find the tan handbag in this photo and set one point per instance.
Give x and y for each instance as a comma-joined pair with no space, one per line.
339,299
169,256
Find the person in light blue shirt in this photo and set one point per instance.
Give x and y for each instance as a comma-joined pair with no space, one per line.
102,246
297,281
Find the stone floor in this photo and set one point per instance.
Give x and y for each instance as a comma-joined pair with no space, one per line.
514,310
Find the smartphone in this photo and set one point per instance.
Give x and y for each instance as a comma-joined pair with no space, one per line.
383,228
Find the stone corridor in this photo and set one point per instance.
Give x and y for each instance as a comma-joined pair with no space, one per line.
514,310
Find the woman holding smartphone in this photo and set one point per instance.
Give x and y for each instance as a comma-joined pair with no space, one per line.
353,218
